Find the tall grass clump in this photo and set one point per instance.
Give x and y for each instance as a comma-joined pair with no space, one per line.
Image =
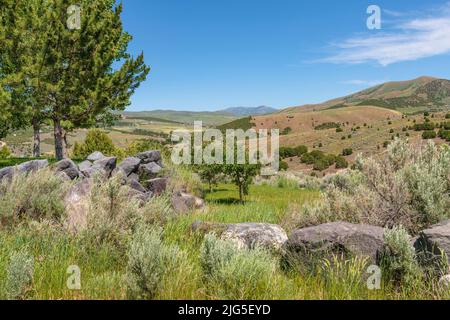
39,195
19,275
344,278
112,213
397,259
151,263
231,273
409,186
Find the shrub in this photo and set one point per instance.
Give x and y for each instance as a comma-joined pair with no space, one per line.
284,166
397,260
96,140
39,195
429,134
19,275
427,126
408,187
111,215
286,131
150,263
327,125
347,152
4,153
341,163
447,116
232,273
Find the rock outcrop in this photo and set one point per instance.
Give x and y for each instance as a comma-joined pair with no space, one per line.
246,235
336,238
435,241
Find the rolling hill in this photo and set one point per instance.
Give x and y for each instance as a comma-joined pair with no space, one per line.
364,121
183,117
408,97
209,118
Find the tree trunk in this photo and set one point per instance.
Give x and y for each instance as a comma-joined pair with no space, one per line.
36,138
66,143
60,148
241,193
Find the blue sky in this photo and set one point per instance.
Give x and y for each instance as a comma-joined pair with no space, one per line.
213,54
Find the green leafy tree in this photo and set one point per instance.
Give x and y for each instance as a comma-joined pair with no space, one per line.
75,75
210,174
242,176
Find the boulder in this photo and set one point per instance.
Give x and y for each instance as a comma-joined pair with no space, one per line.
105,166
435,241
149,170
69,168
251,235
130,165
336,238
246,235
184,202
143,197
77,205
133,176
133,184
150,156
6,173
32,166
95,156
85,165
157,186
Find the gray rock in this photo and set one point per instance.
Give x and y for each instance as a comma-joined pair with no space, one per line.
133,176
6,173
435,241
133,184
245,235
150,156
68,167
91,172
85,165
251,235
157,186
184,202
130,165
77,205
336,238
143,197
32,166
95,156
105,165
149,170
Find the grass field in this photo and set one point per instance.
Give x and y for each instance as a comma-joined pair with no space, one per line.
103,268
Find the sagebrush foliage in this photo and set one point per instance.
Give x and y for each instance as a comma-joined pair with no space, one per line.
408,186
19,275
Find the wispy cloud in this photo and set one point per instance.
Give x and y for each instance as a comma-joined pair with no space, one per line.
409,40
364,82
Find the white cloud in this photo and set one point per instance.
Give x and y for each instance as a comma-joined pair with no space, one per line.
412,40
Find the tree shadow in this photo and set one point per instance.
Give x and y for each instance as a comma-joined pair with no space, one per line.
228,201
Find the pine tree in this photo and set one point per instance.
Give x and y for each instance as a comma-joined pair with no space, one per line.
71,76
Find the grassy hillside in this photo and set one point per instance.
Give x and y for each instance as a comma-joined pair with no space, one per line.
409,97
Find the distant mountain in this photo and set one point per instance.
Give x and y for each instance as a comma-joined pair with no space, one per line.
247,111
185,117
424,93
